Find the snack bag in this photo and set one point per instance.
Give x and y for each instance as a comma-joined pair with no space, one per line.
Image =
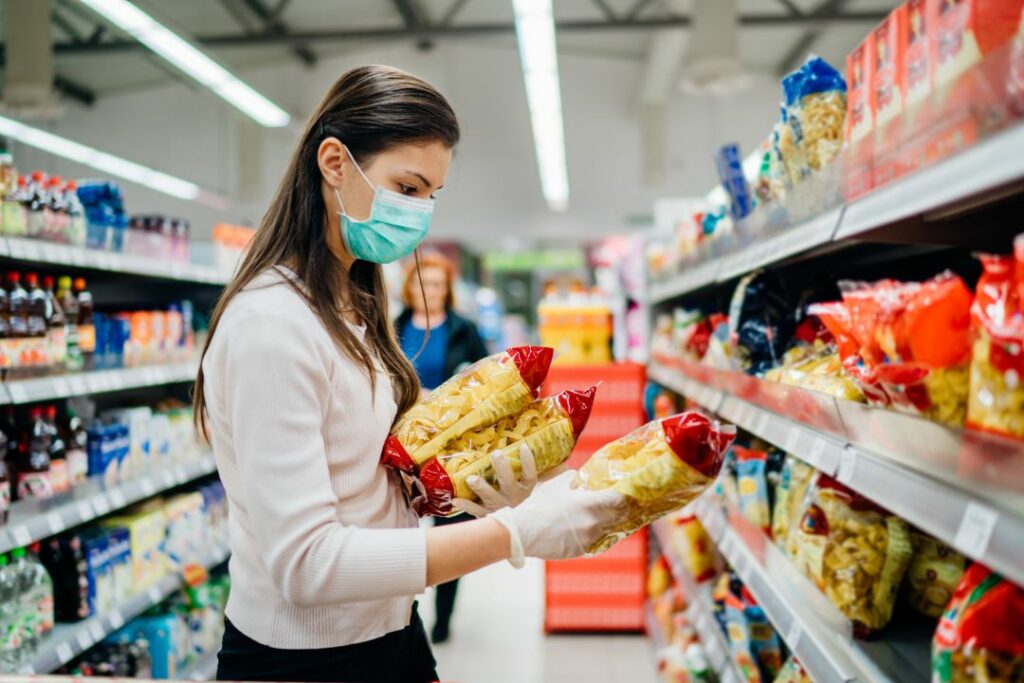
792,672
694,546
548,426
816,105
854,551
981,635
485,392
794,481
763,640
737,630
754,469
934,572
995,401
761,322
659,467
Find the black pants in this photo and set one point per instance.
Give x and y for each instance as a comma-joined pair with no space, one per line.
399,657
444,594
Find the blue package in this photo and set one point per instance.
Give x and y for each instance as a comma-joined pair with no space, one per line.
102,454
730,172
96,548
120,553
162,632
764,642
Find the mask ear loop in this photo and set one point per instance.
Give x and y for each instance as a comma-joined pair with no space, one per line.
426,310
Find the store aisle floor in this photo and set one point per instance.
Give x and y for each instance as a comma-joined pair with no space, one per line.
498,637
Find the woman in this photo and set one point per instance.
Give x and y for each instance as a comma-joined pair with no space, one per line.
300,382
452,344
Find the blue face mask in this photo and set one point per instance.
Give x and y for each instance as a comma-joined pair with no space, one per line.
396,226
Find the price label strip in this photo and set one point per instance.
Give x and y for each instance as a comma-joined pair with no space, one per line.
975,531
56,524
792,440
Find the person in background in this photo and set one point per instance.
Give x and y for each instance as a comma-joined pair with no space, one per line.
452,344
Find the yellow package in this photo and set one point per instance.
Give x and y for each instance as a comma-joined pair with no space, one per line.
792,672
935,571
794,480
659,467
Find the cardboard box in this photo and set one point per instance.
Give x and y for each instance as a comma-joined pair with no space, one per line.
886,69
859,83
918,72
965,31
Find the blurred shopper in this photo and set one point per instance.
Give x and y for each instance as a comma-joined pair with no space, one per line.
300,383
451,344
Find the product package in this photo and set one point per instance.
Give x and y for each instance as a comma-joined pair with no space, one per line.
694,546
816,107
794,480
981,635
995,402
549,426
854,551
764,641
740,644
792,672
752,475
487,391
761,322
934,572
659,467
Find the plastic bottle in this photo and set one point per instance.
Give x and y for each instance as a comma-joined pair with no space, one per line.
38,206
57,225
12,213
77,229
56,333
36,322
34,474
24,197
11,651
60,475
26,617
4,314
17,306
86,330
37,596
5,481
69,303
76,442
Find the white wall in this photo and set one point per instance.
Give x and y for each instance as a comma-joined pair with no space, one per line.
493,197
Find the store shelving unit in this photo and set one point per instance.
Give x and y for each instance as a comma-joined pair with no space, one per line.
983,168
67,641
34,520
960,486
96,382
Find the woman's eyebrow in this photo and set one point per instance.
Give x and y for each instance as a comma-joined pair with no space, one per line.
426,182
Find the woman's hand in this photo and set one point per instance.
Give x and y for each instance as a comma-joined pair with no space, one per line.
511,490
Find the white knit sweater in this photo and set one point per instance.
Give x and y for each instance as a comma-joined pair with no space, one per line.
325,550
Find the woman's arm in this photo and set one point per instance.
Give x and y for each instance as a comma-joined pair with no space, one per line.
458,549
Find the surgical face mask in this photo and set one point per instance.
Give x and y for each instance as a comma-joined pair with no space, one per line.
396,226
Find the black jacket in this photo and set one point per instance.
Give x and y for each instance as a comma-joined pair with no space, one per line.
464,343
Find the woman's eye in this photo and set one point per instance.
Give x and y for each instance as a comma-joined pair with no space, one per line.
407,189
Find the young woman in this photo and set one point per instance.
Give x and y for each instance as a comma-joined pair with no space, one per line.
302,379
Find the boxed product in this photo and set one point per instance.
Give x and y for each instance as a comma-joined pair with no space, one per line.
965,31
99,573
487,391
119,551
549,427
916,48
137,421
659,467
146,527
887,59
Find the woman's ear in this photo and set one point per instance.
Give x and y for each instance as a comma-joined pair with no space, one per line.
332,158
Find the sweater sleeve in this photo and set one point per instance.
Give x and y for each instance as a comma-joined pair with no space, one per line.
274,387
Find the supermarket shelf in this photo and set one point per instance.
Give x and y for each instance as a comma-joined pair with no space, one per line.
700,613
813,629
965,488
95,382
32,520
985,166
67,641
37,251
203,670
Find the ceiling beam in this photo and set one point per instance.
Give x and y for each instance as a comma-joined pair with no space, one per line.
416,21
448,18
65,26
470,30
791,9
607,11
269,22
639,7
75,91
818,22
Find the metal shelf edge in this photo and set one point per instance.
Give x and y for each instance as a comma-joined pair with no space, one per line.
22,391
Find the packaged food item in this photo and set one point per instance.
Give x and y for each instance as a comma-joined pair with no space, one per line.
981,635
917,59
764,642
968,30
995,401
659,578
487,391
738,632
794,481
730,172
856,553
816,104
659,467
550,428
934,572
792,672
887,87
761,322
860,120
752,484
694,546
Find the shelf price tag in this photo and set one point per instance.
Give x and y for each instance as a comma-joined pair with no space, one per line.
21,536
975,531
792,440
101,504
117,498
762,423
817,449
19,394
60,387
155,595
64,653
77,386
793,635
847,466
96,630
148,488
55,523
85,512
116,619
84,639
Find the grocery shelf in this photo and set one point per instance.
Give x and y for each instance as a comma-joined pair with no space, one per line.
204,669
95,382
963,487
699,613
813,629
67,641
49,253
34,520
983,167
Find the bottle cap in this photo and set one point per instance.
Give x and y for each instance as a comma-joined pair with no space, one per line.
32,278
18,553
14,276
64,282
79,283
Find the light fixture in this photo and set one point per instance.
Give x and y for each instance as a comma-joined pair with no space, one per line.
102,161
191,60
535,29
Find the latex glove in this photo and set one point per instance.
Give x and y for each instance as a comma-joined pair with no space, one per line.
513,491
558,521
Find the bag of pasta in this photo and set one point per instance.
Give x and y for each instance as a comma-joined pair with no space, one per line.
794,481
996,399
658,468
549,427
485,392
981,635
933,574
854,551
815,116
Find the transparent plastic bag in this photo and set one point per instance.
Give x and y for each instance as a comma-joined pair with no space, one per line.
815,117
933,574
549,426
485,392
659,467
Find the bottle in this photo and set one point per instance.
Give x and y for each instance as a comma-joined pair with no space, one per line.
76,443
5,482
60,475
38,206
24,197
65,560
26,617
69,303
38,353
56,332
38,591
11,651
76,231
86,330
57,225
4,313
12,213
34,474
17,325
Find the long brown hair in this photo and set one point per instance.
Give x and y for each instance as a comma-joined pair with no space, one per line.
370,109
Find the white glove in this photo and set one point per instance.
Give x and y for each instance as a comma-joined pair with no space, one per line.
512,491
558,521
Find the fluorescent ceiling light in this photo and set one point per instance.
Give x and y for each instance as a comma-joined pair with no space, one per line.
535,29
108,163
191,60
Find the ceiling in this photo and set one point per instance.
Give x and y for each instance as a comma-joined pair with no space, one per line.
241,34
